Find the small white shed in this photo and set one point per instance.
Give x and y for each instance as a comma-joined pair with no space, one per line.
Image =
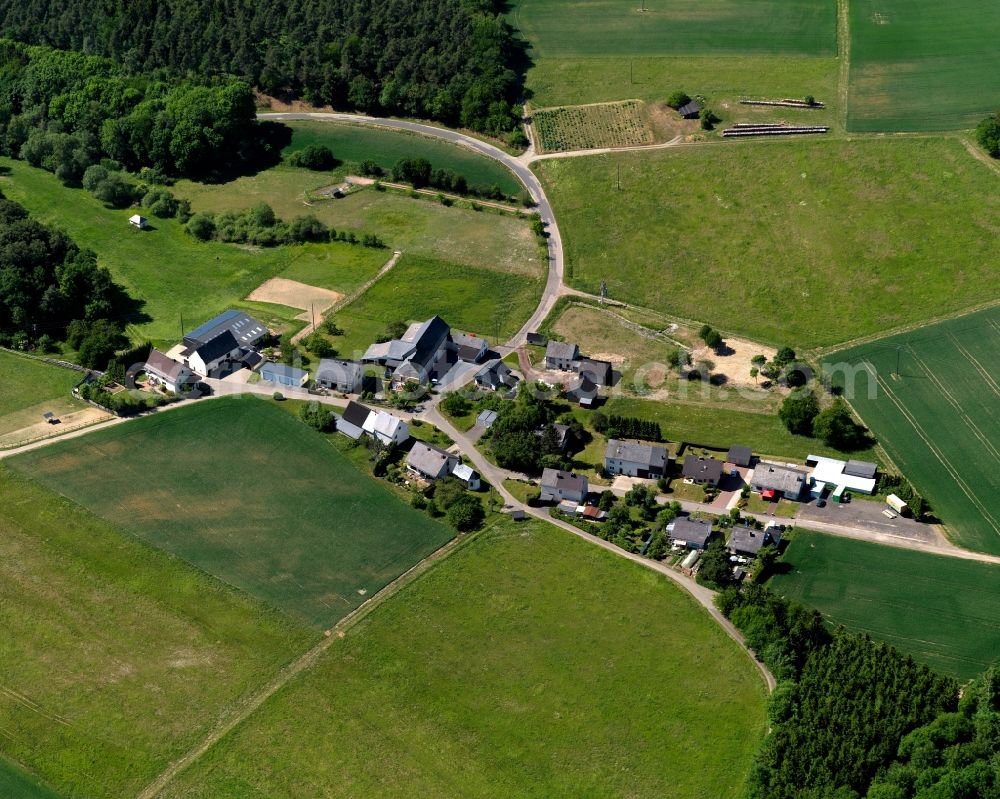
137,221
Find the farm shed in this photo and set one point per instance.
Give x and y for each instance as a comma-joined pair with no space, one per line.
283,375
582,390
599,372
690,110
486,419
246,330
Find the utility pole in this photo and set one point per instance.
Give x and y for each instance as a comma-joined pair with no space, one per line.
604,291
312,314
899,351
630,73
182,326
618,180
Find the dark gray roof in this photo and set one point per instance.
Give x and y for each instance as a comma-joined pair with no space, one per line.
537,339
562,350
252,358
356,414
220,345
748,541
598,371
582,386
333,370
778,478
702,468
496,374
428,339
739,455
647,455
692,107
693,532
564,481
245,329
860,469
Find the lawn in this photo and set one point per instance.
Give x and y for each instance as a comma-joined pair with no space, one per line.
717,427
481,301
352,144
776,240
938,418
943,611
529,664
923,65
29,387
116,657
176,276
566,28
415,226
301,528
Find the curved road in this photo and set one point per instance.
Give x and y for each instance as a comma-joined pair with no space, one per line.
554,282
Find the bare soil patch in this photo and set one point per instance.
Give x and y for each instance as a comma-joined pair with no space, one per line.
281,291
734,361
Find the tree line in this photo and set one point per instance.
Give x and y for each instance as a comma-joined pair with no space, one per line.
456,61
51,290
614,426
64,111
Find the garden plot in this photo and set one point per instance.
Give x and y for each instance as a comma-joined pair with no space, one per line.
588,127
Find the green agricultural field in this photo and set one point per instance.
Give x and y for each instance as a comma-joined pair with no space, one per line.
566,28
117,658
28,388
352,144
922,64
807,243
529,664
717,427
18,784
938,418
416,226
248,493
174,274
943,611
480,301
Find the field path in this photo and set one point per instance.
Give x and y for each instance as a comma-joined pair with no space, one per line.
304,662
844,56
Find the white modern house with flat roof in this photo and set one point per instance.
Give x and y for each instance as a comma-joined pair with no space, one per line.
858,476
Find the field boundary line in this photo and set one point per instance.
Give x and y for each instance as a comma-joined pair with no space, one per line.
979,155
968,420
934,450
979,367
844,54
303,663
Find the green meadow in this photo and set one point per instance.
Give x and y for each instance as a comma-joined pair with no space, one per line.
29,388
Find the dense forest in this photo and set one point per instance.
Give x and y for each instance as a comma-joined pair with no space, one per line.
843,704
51,290
455,61
64,111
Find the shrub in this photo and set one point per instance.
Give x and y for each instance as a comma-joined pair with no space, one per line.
115,191
277,396
466,514
317,157
201,226
93,176
517,140
317,417
678,98
988,134
370,168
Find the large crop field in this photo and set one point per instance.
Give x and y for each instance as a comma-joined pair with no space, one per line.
170,271
938,419
248,493
943,611
792,242
923,64
352,144
527,664
480,301
116,658
29,388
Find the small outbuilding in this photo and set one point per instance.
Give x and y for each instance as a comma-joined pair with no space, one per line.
284,375
690,110
739,455
139,222
466,475
486,419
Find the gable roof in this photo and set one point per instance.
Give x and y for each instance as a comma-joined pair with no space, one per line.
776,477
464,472
244,328
702,468
428,459
860,469
740,455
282,370
598,371
537,339
164,366
468,340
222,344
562,350
334,370
427,338
692,531
691,107
563,481
383,424
495,374
356,414
486,418
648,455
747,540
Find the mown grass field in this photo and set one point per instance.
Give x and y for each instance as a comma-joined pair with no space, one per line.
116,657
527,664
480,301
792,242
250,494
590,126
565,28
923,65
416,226
174,274
938,419
28,388
943,611
351,144
716,426
723,80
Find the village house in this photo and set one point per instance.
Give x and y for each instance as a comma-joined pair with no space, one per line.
466,475
163,371
283,375
348,377
702,471
559,486
419,356
561,355
560,435
747,541
599,372
469,348
386,428
496,376
208,357
635,459
429,462
352,421
774,481
691,533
